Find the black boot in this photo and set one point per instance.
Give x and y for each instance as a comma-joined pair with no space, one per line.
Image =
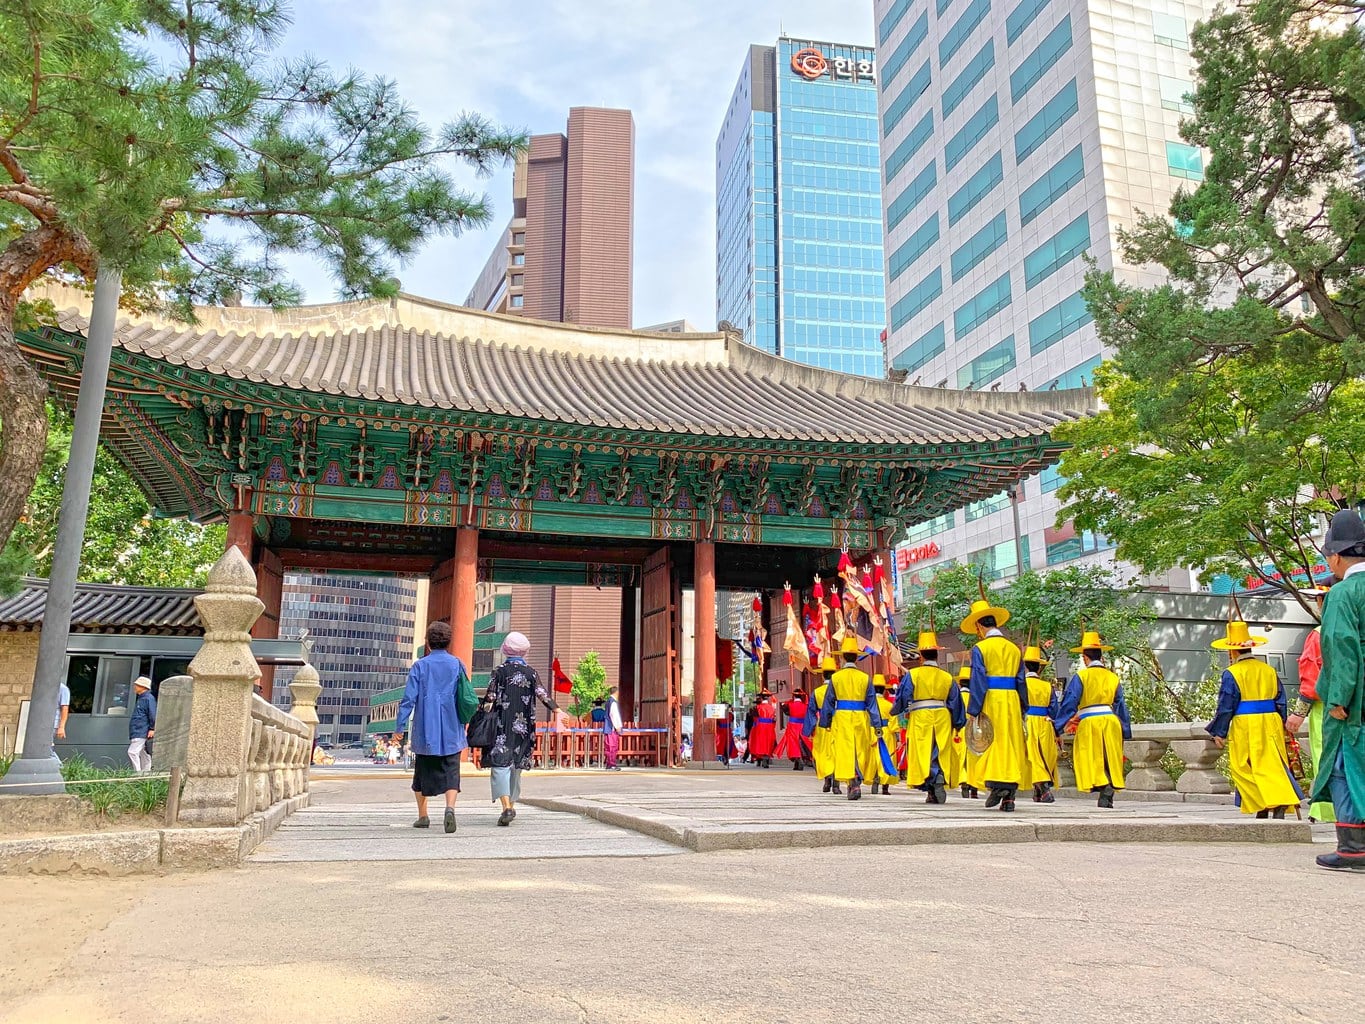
998,793
967,791
836,790
796,765
1037,792
1106,797
829,782
1046,797
1350,851
886,790
1278,813
940,793
1262,815
855,790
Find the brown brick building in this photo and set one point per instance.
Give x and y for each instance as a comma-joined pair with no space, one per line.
566,256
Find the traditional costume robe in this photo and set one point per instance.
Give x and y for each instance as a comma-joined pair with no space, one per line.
822,750
1310,668
1000,690
1041,734
1341,776
793,744
932,702
850,712
763,736
1097,749
874,767
1250,717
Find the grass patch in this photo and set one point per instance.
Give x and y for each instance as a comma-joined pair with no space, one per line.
96,787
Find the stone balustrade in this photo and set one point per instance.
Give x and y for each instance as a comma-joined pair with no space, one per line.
281,750
1201,778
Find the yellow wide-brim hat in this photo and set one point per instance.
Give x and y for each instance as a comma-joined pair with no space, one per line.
1239,638
1090,640
981,609
928,641
964,673
879,680
850,646
828,664
1035,654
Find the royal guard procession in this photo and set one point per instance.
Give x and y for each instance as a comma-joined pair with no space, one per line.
878,716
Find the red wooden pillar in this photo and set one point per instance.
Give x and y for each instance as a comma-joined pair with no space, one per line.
704,658
241,527
629,646
270,589
465,576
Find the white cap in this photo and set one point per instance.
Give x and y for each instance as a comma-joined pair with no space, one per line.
142,682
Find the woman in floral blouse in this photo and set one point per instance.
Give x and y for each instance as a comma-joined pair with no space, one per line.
513,692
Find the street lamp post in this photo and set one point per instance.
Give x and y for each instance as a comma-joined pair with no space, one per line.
37,769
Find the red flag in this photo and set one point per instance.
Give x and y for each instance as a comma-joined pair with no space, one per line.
563,684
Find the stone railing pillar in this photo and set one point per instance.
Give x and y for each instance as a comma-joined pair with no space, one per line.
1201,773
304,689
220,743
1146,774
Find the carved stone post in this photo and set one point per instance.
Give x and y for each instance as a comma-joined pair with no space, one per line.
1201,775
1147,775
1066,774
217,789
260,781
303,693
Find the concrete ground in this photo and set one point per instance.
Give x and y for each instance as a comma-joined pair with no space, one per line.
1039,931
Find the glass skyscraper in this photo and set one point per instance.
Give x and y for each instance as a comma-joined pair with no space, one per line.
798,206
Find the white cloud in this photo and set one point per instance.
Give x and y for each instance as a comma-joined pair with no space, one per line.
674,64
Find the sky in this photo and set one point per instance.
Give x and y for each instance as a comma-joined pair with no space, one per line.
674,63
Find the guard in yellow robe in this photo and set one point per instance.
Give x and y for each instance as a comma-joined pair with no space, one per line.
1250,723
1094,693
932,705
1042,734
822,751
968,761
999,690
849,710
874,767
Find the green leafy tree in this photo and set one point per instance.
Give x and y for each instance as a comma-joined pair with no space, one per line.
589,684
166,138
1234,395
125,542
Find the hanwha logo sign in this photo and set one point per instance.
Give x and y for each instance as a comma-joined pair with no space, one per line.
809,63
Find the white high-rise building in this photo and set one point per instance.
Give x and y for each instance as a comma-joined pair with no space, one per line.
1018,136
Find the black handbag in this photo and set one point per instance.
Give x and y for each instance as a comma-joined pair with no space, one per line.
482,730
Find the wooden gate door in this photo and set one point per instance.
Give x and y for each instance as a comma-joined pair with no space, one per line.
659,702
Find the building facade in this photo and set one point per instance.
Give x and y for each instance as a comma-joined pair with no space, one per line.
798,206
362,630
566,254
1018,138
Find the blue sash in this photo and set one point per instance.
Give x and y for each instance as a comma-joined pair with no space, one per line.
1038,712
850,705
764,721
1256,707
1002,683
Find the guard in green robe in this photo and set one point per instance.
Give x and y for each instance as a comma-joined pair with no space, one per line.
1341,687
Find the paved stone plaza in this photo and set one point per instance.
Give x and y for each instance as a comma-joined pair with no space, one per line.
348,915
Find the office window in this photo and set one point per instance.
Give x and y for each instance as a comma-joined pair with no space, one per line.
1174,92
519,259
925,530
1081,375
1000,560
1185,161
519,238
1067,317
914,247
1023,15
517,301
977,187
963,84
1040,127
891,19
1033,67
1057,251
919,352
900,106
912,196
917,298
942,5
1051,479
913,40
1171,30
1062,176
971,133
989,365
910,145
1065,543
962,29
978,247
518,280
982,306
987,506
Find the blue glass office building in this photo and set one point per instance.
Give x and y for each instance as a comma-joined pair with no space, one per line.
798,206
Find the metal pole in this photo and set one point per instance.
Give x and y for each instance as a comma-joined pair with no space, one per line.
38,770
1016,492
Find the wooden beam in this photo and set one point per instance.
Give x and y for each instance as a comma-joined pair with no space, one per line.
495,548
358,561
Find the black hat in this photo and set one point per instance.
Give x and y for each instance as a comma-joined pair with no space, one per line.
1345,534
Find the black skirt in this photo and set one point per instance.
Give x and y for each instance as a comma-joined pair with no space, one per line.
434,774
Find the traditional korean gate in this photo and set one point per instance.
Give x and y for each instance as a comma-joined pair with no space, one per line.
659,701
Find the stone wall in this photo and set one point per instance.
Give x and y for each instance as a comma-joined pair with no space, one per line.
18,659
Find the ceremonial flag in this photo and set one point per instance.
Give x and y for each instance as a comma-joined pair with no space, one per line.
794,643
563,684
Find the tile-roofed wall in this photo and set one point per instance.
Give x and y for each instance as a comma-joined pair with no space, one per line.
103,608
